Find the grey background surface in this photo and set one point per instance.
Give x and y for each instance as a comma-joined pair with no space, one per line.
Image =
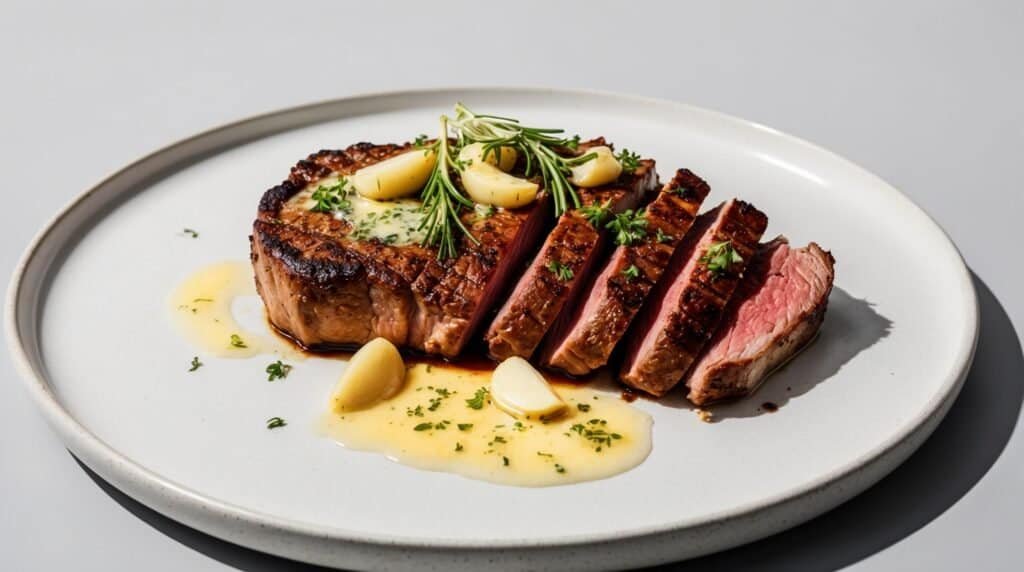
926,94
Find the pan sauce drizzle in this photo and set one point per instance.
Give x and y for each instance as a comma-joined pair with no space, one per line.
420,427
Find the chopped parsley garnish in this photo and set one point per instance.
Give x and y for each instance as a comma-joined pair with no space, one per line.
630,161
420,141
423,426
196,364
417,412
631,273
595,432
629,227
190,232
559,468
434,404
561,271
504,460
584,407
275,422
331,198
479,398
498,439
278,370
681,191
458,446
596,213
720,257
543,454
237,341
661,237
464,426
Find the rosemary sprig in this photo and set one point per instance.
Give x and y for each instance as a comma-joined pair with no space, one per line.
539,146
442,201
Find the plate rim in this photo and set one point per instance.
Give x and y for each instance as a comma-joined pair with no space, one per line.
127,472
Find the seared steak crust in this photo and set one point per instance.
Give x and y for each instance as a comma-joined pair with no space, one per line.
688,303
776,311
571,249
585,336
327,290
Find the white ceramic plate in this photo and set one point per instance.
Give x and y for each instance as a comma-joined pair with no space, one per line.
87,323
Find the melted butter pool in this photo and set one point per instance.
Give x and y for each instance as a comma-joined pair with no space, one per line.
430,425
204,308
393,222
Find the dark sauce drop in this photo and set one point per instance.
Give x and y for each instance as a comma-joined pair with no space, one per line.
769,407
629,396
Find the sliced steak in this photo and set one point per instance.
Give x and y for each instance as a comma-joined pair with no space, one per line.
687,304
776,311
326,287
558,272
585,335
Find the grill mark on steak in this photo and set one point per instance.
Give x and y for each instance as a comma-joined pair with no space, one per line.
585,336
539,296
687,304
327,291
776,311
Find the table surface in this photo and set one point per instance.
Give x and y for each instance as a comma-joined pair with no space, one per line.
927,95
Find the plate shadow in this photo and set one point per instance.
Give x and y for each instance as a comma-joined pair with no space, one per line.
957,455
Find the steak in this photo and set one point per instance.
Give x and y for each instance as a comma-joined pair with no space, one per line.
776,311
326,287
585,335
687,304
559,271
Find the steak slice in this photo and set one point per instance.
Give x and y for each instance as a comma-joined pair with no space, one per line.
326,287
571,250
584,336
776,311
688,302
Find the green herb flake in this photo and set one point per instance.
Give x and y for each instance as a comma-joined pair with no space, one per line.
423,426
504,461
561,271
596,213
479,399
237,341
662,238
458,447
332,198
278,370
630,161
629,227
584,407
196,364
720,257
559,468
464,426
190,232
420,141
631,273
275,422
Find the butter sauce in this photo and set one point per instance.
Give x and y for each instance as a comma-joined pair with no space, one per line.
203,308
392,222
430,425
